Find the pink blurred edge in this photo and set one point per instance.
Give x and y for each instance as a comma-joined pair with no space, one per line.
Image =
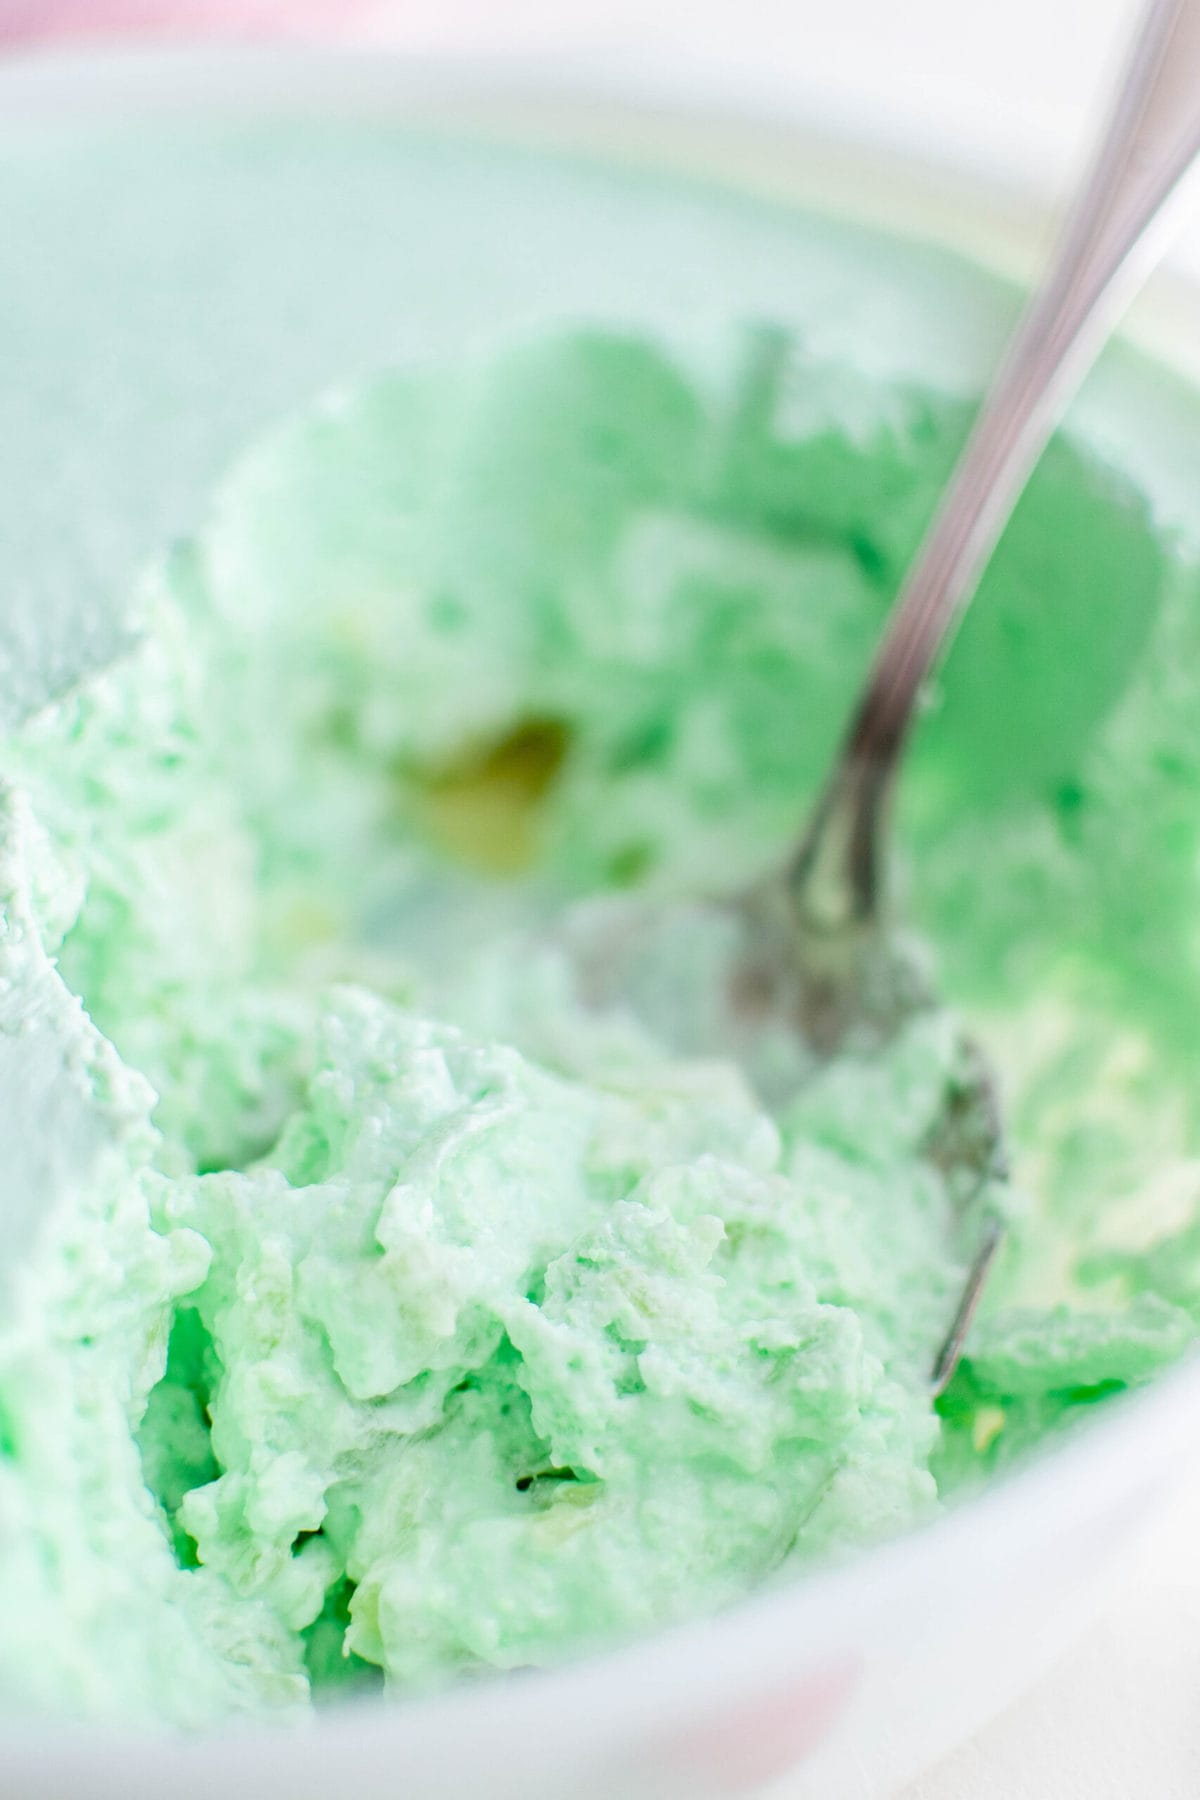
45,21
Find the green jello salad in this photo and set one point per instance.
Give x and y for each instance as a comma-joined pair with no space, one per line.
383,1315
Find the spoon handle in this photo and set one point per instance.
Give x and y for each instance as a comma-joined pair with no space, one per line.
1109,241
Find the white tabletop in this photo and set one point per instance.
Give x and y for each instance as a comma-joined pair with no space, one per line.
1119,1718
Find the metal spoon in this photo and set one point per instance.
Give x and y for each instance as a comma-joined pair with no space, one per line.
834,888
806,963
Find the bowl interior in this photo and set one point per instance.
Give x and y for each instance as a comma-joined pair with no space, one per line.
179,285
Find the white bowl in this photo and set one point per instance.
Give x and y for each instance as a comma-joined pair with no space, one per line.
846,1681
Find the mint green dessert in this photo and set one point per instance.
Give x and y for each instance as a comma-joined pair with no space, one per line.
394,1317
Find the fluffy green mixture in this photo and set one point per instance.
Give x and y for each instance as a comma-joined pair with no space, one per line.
379,1314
